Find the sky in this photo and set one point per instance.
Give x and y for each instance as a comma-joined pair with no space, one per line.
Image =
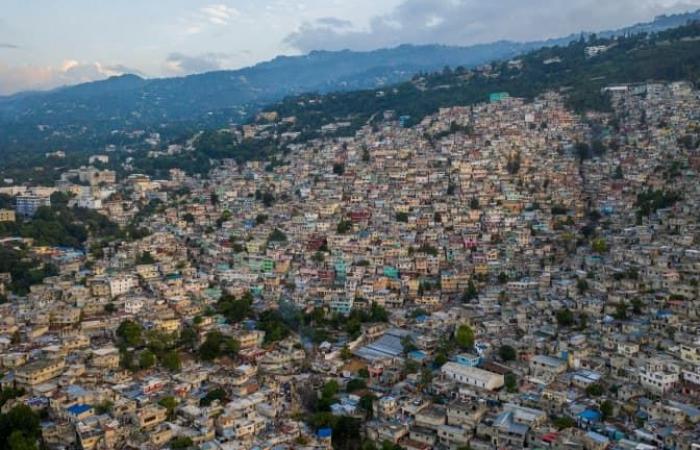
50,43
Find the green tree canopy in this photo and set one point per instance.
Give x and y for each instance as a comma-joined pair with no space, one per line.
465,337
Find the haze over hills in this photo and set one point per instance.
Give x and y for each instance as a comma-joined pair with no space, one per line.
221,96
136,115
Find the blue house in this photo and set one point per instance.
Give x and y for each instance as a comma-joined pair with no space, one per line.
468,360
588,418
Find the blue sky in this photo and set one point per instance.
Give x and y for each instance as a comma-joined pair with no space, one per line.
49,43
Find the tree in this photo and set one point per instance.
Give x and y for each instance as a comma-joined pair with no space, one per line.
330,389
214,394
129,333
216,345
104,407
355,385
171,361
188,338
268,199
338,168
599,245
18,441
388,445
234,310
598,148
470,293
440,359
145,258
260,219
618,175
366,403
595,390
344,226
606,409
273,325
506,353
19,429
402,217
583,151
637,306
564,422
465,337
10,393
581,285
426,376
169,403
181,442
408,345
511,382
147,359
378,313
565,318
345,353
277,236
346,433
620,311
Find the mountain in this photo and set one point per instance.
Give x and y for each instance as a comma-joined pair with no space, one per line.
666,56
130,101
118,111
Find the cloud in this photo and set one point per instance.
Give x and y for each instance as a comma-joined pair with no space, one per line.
31,77
7,45
120,69
219,14
465,22
333,22
214,15
180,64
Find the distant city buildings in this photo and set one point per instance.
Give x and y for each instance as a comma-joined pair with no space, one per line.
27,205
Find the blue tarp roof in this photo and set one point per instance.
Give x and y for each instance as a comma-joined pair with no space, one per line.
79,409
590,415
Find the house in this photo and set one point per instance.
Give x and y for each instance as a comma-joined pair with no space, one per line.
547,367
472,376
38,372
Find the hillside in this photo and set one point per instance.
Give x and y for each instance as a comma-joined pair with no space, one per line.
666,56
670,55
85,116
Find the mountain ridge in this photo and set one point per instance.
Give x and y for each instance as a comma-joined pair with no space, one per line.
131,100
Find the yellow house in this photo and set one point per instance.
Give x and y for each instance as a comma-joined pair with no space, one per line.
39,372
151,415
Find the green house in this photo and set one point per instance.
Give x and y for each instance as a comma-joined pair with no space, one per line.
267,265
341,269
391,272
495,97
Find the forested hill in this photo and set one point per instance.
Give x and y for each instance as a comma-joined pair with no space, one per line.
89,116
129,100
669,55
665,56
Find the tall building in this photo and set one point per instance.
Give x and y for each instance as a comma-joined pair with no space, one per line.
27,205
